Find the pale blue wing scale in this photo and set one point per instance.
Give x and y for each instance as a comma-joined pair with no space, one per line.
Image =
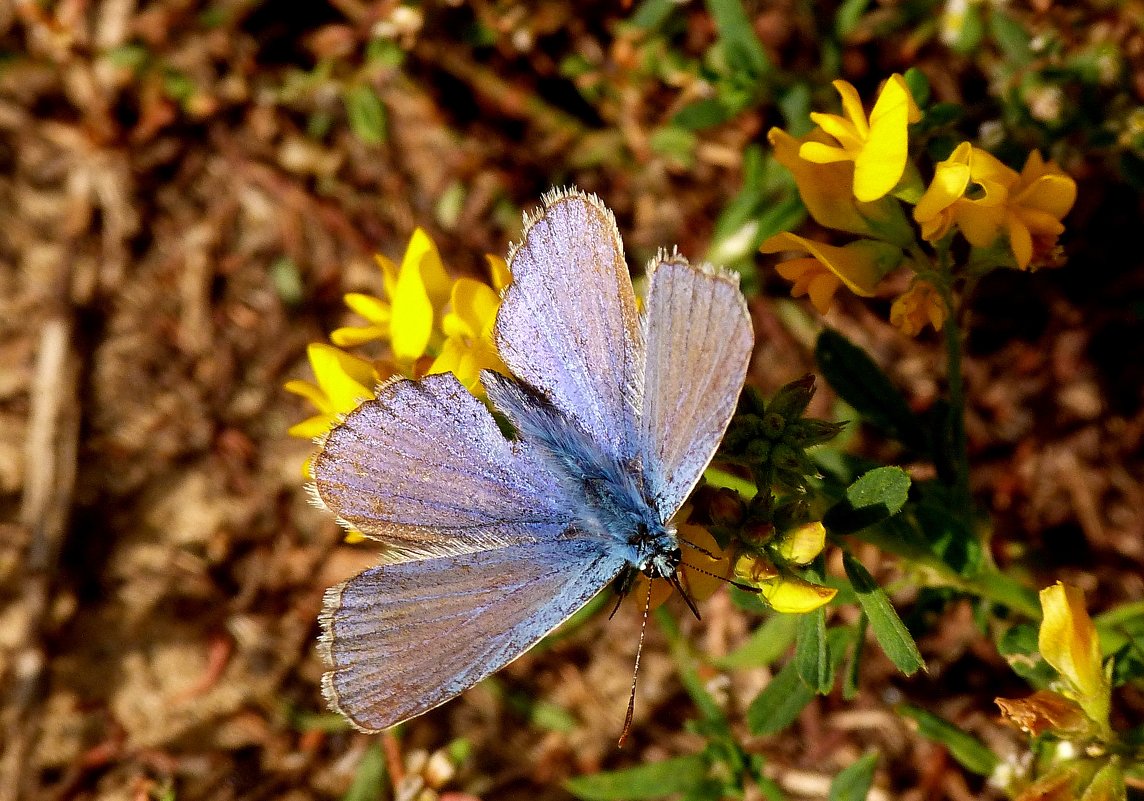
699,341
402,639
568,324
424,469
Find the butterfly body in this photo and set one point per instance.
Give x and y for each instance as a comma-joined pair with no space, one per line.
610,497
493,541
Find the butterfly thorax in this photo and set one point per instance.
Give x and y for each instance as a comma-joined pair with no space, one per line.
608,493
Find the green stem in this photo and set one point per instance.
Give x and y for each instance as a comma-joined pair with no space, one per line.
962,499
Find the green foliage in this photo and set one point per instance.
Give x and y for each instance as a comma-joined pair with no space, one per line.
969,752
780,702
876,496
653,780
366,114
854,781
888,628
369,779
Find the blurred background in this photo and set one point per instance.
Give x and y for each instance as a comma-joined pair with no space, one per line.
187,188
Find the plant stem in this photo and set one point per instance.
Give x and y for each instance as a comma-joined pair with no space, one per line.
962,500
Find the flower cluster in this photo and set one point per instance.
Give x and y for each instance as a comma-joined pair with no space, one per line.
1073,710
431,323
855,174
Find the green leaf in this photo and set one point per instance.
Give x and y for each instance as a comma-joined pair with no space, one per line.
848,15
1011,38
919,86
862,384
780,702
651,14
705,113
854,781
850,679
743,50
366,114
369,779
811,654
888,628
1019,647
765,646
970,752
876,496
675,142
653,780
687,665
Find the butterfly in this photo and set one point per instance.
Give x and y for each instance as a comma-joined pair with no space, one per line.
493,541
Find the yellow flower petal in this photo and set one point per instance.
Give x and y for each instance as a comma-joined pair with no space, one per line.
950,180
705,565
751,569
465,358
801,545
880,164
795,596
310,393
388,275
860,265
413,309
375,310
917,306
818,184
344,379
498,272
1068,641
311,427
852,106
474,309
879,147
822,153
352,336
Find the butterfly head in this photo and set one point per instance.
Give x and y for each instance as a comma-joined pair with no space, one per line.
657,551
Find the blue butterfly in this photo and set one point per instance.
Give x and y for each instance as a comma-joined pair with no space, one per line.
491,543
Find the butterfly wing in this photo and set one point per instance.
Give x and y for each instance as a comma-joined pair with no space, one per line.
699,341
404,638
568,324
424,469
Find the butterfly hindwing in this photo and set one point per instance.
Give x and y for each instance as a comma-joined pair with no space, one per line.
568,324
424,469
401,639
699,341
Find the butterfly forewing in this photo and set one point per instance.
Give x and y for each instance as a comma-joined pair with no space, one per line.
424,469
404,638
568,324
699,341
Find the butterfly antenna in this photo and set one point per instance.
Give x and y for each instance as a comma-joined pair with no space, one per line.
698,547
635,672
619,600
732,582
675,582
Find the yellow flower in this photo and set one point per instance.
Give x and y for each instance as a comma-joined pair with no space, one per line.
784,592
1068,641
416,292
918,305
343,382
859,265
877,146
498,272
802,544
468,328
818,184
986,199
704,568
